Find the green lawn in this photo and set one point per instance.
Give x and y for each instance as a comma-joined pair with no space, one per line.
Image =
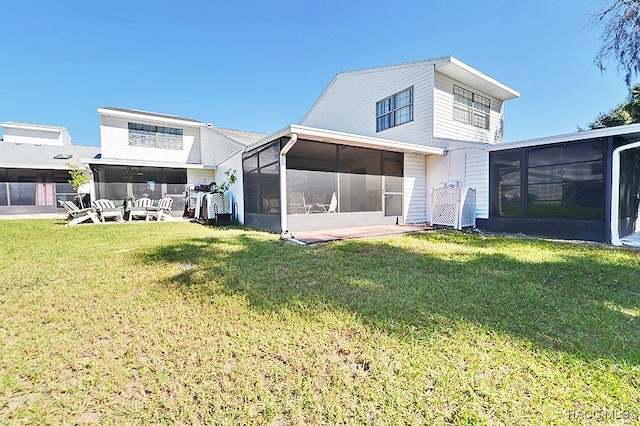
181,323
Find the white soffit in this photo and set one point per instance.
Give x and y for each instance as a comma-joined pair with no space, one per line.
348,139
142,163
462,72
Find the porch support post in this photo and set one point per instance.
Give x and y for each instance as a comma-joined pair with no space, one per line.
284,225
615,191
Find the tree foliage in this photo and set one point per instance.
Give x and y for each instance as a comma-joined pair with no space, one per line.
78,177
620,20
628,112
231,179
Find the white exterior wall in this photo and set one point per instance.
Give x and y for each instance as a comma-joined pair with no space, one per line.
237,193
349,103
37,137
114,136
443,169
415,188
468,167
446,127
198,176
477,177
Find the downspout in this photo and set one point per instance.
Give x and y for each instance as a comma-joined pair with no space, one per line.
615,191
283,185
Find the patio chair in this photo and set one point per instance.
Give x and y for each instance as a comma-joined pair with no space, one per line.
162,211
297,203
106,209
79,215
139,208
331,208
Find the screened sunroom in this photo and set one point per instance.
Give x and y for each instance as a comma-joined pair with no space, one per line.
325,180
581,186
119,182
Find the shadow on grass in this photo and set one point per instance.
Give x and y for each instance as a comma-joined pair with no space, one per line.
579,303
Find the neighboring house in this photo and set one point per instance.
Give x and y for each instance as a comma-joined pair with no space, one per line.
147,154
33,167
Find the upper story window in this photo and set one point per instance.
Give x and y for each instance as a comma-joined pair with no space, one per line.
471,108
155,136
394,110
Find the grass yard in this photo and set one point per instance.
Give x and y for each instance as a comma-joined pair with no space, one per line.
180,323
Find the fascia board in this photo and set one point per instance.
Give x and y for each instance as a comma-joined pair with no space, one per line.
143,116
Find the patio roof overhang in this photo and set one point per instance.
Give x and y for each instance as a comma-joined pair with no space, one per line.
348,139
35,166
144,163
629,132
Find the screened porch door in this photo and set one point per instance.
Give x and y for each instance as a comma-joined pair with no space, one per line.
392,188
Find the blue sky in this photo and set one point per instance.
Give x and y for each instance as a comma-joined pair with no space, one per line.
260,65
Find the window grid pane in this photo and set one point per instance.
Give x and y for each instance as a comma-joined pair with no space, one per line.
471,108
402,99
403,115
461,113
462,96
394,110
154,136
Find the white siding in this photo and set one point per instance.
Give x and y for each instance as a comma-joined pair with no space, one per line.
448,128
216,148
349,103
477,177
415,188
197,176
442,170
114,136
467,167
237,195
38,137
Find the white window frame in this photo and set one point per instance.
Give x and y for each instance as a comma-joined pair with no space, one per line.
151,136
476,112
394,110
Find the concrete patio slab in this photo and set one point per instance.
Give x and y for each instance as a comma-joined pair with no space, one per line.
632,240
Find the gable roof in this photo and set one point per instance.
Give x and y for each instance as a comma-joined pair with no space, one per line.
243,136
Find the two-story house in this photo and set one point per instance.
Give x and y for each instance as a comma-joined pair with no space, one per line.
374,145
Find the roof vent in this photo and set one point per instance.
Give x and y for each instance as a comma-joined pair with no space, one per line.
63,156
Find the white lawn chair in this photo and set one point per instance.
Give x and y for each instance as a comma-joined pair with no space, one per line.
162,211
107,209
79,215
332,207
139,208
297,203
